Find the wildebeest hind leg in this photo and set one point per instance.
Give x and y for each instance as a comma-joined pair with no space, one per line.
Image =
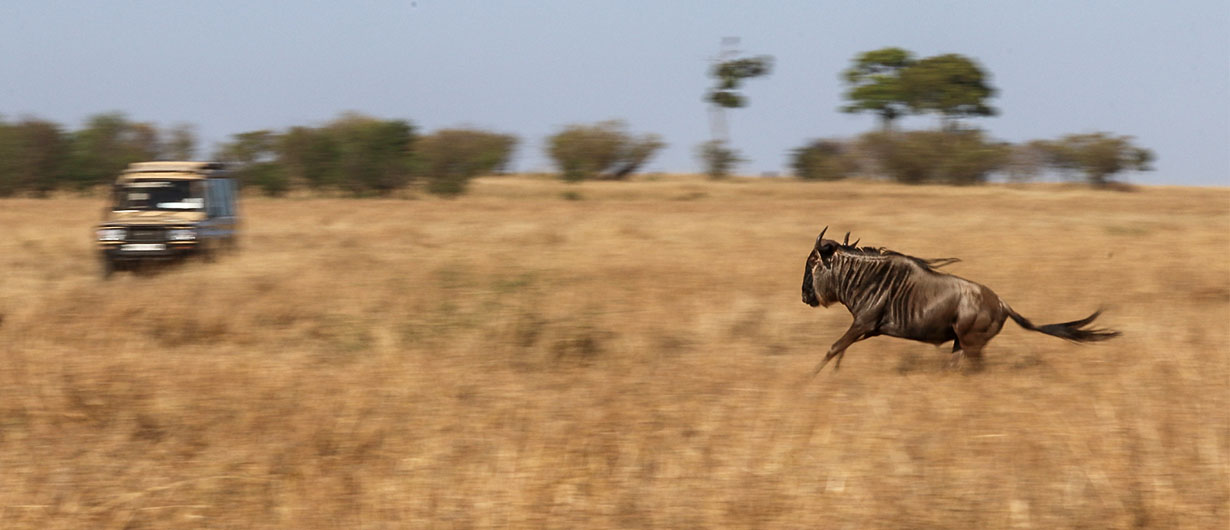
955,359
974,355
969,350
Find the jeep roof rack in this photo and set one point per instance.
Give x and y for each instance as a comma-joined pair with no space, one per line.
179,166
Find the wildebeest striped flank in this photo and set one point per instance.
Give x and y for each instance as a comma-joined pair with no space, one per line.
893,294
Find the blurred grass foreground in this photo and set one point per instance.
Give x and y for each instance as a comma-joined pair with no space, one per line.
597,355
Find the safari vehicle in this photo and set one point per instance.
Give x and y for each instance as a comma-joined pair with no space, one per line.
163,211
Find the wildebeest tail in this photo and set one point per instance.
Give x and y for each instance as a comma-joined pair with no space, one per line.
1074,331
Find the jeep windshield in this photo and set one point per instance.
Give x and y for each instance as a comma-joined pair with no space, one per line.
159,195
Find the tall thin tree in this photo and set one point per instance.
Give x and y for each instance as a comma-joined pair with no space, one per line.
729,71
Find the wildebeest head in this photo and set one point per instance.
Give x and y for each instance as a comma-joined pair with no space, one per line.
817,289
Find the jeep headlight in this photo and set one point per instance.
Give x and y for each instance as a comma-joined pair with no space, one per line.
181,234
111,234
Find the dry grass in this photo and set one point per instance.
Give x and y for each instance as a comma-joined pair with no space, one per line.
539,355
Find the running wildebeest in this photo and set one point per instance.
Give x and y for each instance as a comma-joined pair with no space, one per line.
893,294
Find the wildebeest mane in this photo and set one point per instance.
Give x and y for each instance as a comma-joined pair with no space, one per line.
929,264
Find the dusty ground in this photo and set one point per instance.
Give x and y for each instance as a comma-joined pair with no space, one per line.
542,355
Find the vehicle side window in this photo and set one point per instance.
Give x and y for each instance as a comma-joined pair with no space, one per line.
233,189
223,200
224,187
212,199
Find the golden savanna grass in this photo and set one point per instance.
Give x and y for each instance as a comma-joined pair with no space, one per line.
544,355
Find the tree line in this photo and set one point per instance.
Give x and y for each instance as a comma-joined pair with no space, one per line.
891,83
38,156
362,155
968,156
353,153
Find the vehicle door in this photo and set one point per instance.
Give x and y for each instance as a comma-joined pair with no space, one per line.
220,210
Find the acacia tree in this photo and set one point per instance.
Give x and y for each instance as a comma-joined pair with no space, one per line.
728,72
890,83
876,86
729,76
950,85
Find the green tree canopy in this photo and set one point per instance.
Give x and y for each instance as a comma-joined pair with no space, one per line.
251,157
890,83
355,153
107,144
875,84
307,155
373,155
950,85
248,148
32,154
729,76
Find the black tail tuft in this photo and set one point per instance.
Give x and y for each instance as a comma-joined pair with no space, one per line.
1074,331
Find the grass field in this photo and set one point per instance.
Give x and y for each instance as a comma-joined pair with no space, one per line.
543,355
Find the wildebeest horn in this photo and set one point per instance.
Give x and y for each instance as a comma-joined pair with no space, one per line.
847,241
856,241
821,236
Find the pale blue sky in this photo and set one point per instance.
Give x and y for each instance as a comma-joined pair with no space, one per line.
1159,71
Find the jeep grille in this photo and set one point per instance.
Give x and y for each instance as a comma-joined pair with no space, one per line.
146,234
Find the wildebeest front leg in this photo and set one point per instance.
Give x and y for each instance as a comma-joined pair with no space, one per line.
856,333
